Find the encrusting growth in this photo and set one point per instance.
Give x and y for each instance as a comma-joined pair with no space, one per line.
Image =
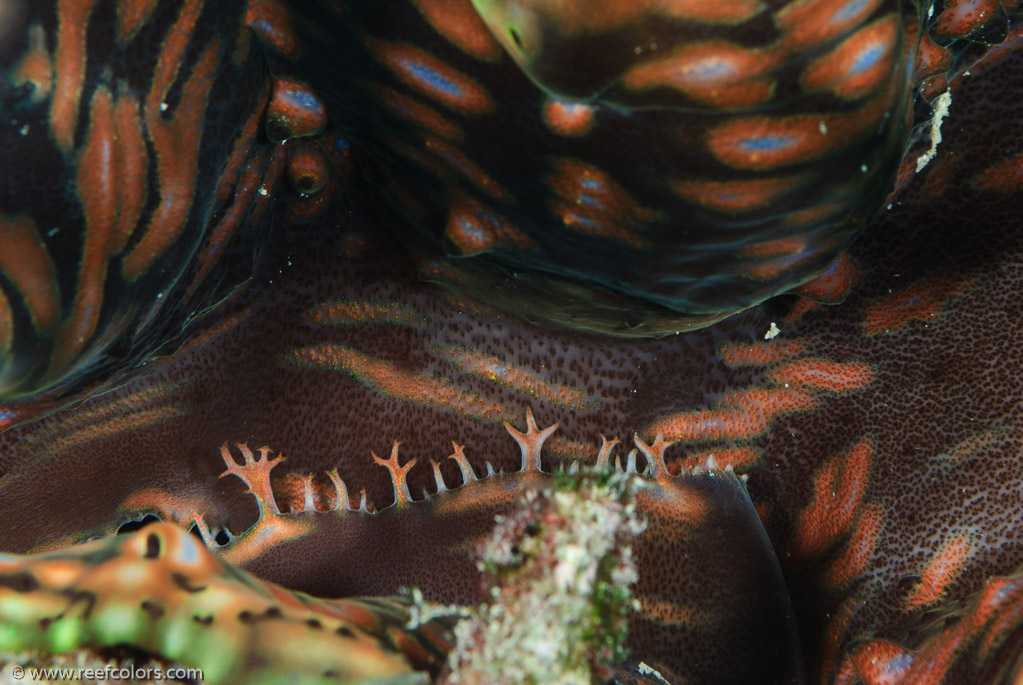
560,571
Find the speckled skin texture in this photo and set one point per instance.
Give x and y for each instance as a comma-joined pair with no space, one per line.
940,412
318,417
881,437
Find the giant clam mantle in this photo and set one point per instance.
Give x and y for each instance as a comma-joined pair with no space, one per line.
221,226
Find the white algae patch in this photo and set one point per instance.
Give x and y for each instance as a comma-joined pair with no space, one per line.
563,572
941,106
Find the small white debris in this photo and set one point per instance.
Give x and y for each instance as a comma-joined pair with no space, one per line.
823,128
263,191
941,106
930,11
772,332
643,669
24,130
863,168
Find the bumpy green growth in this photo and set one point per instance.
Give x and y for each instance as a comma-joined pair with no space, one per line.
159,591
562,571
